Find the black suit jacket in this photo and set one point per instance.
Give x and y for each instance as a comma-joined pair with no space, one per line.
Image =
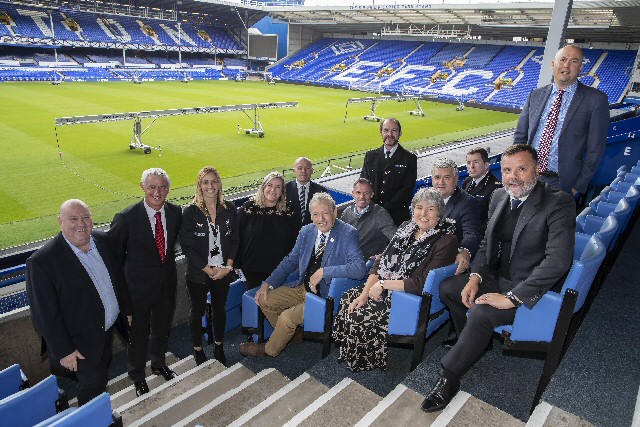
465,210
583,137
194,238
293,197
482,193
542,245
135,247
65,305
393,181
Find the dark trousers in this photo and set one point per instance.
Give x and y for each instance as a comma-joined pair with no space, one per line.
475,331
198,295
152,319
254,279
91,377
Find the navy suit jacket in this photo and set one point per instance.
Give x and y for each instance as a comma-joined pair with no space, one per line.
393,182
583,136
293,197
65,305
482,193
342,257
542,244
465,210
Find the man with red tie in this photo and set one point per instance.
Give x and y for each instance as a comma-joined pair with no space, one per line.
144,237
567,123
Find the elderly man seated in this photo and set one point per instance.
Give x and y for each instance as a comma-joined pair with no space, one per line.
373,222
325,249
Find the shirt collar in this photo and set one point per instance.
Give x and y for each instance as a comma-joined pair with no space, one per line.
150,211
76,250
300,184
569,90
479,180
362,212
392,151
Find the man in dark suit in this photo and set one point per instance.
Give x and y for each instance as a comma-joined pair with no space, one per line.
300,191
393,172
461,208
75,293
144,236
567,123
326,249
527,250
480,183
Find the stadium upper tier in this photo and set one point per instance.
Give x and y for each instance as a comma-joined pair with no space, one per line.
30,24
491,74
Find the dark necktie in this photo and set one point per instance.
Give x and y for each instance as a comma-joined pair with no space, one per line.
302,201
515,204
472,185
160,243
547,134
321,245
387,156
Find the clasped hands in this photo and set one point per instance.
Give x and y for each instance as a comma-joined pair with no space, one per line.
493,299
216,273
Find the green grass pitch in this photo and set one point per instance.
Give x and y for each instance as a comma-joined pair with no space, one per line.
105,173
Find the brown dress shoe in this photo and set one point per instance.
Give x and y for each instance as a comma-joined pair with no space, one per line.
252,349
297,336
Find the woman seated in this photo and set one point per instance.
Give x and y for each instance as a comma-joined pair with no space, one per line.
425,242
209,241
268,231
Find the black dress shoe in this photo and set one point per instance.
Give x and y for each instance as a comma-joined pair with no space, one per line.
440,395
200,357
141,388
167,373
449,342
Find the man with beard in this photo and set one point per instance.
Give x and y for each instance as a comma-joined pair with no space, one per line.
392,171
526,251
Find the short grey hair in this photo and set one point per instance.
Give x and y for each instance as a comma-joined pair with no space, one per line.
73,202
445,163
158,172
322,197
430,197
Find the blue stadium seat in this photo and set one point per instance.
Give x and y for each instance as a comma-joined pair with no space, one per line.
95,413
12,380
413,318
32,405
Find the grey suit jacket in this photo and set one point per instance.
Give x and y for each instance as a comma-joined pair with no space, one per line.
542,245
583,137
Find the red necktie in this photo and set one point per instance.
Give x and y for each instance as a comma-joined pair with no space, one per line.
547,134
160,236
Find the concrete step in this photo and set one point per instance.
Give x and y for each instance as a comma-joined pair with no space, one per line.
231,405
186,396
284,404
466,410
400,407
128,393
547,415
122,381
343,405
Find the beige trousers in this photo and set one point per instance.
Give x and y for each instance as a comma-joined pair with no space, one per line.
285,311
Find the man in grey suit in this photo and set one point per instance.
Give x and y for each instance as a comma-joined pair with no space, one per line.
526,251
567,123
326,249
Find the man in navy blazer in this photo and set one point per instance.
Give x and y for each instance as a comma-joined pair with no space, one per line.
392,171
460,207
138,233
480,183
580,136
75,293
326,249
303,169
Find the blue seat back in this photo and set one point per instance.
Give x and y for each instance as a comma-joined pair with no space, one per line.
95,413
584,270
432,284
10,380
30,406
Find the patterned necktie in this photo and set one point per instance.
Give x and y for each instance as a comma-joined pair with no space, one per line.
160,236
515,204
547,134
303,205
321,245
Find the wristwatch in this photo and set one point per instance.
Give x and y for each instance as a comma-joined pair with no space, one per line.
381,284
511,297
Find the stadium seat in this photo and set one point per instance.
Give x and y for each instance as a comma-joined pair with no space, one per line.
413,318
545,327
232,308
33,405
12,380
604,228
96,413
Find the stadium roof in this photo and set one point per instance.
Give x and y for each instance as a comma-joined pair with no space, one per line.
605,20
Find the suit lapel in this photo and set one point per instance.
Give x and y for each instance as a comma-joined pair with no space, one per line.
146,224
491,225
544,95
573,107
529,209
331,244
452,203
171,223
